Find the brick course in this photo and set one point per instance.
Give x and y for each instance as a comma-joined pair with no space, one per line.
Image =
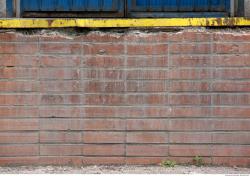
132,98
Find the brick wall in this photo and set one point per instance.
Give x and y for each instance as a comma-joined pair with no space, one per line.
134,98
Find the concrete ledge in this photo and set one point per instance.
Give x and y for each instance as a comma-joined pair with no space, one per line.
149,22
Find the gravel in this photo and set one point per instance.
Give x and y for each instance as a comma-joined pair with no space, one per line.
122,170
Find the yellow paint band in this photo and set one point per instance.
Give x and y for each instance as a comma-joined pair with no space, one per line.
99,23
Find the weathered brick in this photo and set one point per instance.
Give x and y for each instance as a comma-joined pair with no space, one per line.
147,124
190,125
231,86
104,125
147,150
60,112
60,86
19,86
147,74
60,150
19,124
8,100
103,49
192,99
18,48
147,86
232,48
54,124
103,99
231,138
231,99
103,62
190,61
18,73
19,138
228,150
189,86
60,61
19,150
17,60
190,150
147,137
103,150
60,137
190,138
190,48
60,99
145,62
59,74
60,48
103,137
153,49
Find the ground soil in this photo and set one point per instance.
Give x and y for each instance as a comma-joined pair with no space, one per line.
123,170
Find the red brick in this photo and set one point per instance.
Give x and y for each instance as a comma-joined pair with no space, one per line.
17,60
194,138
103,62
61,124
239,73
18,48
190,74
231,138
60,86
190,61
235,112
19,150
231,161
102,74
192,99
101,86
103,150
61,160
104,125
18,86
227,150
229,99
19,138
103,99
59,74
189,150
231,61
190,48
147,37
15,161
147,74
147,86
60,137
59,38
189,86
148,99
100,112
190,112
231,125
97,160
155,61
60,61
60,150
60,48
103,137
153,49
147,124
147,150
19,124
144,160
231,86
59,112
190,125
232,48
18,73
103,49
60,99
190,36
147,137
102,37
19,100
21,111
231,37
17,37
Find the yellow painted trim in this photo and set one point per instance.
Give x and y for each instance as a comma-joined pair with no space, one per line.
145,22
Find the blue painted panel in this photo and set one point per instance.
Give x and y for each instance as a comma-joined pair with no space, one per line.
166,8
72,5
